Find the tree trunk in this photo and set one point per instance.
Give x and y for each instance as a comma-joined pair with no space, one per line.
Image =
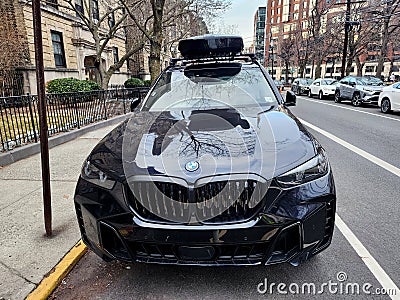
156,41
155,61
384,49
287,71
359,65
318,69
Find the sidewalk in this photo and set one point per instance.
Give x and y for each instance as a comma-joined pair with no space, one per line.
26,254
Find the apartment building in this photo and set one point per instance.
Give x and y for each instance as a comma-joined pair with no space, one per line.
284,18
260,34
69,48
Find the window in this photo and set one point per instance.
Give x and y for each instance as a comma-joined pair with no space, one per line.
79,6
58,48
116,55
52,3
370,69
111,20
95,10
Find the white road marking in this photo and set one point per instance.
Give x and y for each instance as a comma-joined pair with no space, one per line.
352,109
380,274
381,163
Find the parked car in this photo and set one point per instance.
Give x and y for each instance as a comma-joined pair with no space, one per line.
389,99
210,169
279,85
301,86
359,90
323,88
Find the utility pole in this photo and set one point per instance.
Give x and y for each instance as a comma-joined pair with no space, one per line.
346,36
44,142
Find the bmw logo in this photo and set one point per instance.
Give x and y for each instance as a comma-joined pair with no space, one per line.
192,166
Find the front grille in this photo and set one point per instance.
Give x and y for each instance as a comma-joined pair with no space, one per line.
224,254
214,202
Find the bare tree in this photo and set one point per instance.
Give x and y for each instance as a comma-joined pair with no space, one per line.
106,20
161,14
387,15
286,53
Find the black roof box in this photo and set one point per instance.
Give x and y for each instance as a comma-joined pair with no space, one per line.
210,46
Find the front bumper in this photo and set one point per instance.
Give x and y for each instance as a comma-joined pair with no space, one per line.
299,225
370,99
329,92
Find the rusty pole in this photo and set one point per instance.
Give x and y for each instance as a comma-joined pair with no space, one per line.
44,142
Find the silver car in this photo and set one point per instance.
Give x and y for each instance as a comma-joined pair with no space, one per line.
359,90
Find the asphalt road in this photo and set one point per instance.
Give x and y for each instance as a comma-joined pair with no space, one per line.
368,203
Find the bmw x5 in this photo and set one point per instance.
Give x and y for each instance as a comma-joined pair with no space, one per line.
211,168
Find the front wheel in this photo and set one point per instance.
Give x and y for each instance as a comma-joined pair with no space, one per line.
309,94
320,95
337,97
386,106
356,101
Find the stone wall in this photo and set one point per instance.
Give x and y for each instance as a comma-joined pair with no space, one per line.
14,51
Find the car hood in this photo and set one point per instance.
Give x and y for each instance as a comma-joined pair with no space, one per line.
223,141
374,88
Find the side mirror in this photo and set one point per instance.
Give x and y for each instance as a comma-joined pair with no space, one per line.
134,104
353,84
290,99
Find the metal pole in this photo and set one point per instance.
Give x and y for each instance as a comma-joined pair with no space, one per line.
346,37
44,143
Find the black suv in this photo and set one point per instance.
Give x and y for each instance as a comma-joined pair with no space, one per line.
211,169
359,90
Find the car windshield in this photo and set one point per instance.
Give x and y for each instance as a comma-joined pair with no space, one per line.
306,81
211,86
372,81
329,81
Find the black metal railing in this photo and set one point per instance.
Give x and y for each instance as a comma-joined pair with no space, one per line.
19,119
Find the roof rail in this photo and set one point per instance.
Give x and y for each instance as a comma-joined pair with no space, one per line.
213,58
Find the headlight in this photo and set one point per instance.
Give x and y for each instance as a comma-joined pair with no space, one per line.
94,175
310,170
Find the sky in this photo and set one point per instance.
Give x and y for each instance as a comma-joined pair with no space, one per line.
241,16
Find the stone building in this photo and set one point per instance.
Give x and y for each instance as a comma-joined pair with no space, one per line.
69,48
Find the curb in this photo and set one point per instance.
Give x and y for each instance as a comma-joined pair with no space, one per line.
58,273
19,153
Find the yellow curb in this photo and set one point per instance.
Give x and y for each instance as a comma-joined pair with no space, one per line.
58,273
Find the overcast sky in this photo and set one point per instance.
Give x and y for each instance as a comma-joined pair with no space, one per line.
241,15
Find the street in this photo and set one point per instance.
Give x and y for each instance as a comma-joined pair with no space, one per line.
367,202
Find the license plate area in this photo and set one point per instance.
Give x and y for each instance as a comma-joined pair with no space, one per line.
196,253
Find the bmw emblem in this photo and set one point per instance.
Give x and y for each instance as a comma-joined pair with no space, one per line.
192,166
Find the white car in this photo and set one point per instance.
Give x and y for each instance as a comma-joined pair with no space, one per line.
389,99
323,88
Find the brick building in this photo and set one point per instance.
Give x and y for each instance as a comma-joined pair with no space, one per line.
69,49
284,17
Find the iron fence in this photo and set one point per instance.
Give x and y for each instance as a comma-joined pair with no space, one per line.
19,119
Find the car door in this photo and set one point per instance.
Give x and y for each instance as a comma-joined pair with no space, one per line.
351,87
395,99
295,86
315,87
344,83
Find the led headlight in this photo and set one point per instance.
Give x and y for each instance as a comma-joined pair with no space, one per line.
310,170
94,175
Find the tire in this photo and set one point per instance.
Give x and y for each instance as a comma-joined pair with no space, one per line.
356,100
310,94
337,97
320,95
386,106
